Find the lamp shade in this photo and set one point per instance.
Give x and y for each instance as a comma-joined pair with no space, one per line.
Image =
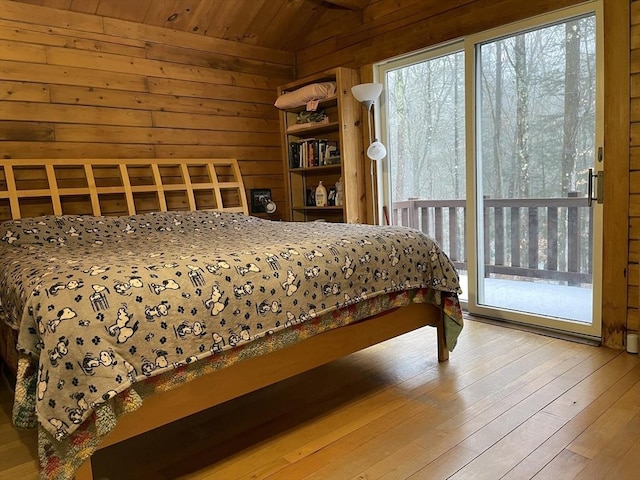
376,151
366,92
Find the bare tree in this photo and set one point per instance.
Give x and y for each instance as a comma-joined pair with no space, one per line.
497,121
571,106
522,116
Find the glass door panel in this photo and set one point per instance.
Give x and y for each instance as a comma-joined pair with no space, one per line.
425,135
536,134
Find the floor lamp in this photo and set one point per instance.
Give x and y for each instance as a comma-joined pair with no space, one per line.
367,94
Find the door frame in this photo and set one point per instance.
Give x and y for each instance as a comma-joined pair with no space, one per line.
619,312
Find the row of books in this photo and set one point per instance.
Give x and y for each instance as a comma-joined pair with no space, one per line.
311,152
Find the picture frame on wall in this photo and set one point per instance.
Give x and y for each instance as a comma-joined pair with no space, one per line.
259,199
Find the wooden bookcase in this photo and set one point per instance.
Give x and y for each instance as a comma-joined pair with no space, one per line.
342,130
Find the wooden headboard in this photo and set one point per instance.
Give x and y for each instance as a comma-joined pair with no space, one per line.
34,187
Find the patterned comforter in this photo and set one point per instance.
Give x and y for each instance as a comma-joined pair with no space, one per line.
104,303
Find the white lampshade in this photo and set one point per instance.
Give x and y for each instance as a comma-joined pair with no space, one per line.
376,151
367,93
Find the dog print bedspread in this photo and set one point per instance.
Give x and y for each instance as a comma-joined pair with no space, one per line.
103,302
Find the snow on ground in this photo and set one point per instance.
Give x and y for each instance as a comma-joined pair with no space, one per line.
573,303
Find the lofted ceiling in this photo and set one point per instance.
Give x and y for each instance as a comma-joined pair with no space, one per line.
278,24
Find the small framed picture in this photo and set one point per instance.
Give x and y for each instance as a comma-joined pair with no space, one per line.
259,199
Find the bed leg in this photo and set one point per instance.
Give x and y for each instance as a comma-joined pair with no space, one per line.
85,472
443,352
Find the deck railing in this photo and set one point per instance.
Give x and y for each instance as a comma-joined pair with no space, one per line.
547,238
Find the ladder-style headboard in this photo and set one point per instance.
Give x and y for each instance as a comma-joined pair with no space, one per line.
33,187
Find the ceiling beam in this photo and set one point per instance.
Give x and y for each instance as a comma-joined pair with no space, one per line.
350,4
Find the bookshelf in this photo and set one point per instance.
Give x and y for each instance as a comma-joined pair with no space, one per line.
324,146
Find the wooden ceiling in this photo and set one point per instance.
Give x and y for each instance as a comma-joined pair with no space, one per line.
279,24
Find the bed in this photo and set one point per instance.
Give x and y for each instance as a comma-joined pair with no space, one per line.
131,291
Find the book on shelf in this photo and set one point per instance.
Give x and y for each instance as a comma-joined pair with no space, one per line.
311,152
294,155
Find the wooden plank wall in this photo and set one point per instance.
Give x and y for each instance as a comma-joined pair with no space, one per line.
74,85
389,28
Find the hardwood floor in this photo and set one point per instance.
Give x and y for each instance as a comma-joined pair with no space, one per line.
508,404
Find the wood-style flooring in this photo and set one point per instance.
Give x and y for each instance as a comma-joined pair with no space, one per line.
508,405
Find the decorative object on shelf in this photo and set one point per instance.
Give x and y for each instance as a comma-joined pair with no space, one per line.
306,119
331,196
332,154
321,195
261,201
310,117
311,197
339,194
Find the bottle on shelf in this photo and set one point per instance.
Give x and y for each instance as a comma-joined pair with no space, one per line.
321,195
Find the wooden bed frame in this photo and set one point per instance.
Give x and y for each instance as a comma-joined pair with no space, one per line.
129,186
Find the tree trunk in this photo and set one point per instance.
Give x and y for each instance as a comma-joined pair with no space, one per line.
497,122
522,116
571,104
401,128
457,163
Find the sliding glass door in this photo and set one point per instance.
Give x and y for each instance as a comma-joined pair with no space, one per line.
535,150
525,100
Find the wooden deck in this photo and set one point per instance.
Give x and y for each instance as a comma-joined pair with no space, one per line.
508,404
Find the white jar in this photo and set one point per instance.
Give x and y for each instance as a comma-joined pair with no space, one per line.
632,342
